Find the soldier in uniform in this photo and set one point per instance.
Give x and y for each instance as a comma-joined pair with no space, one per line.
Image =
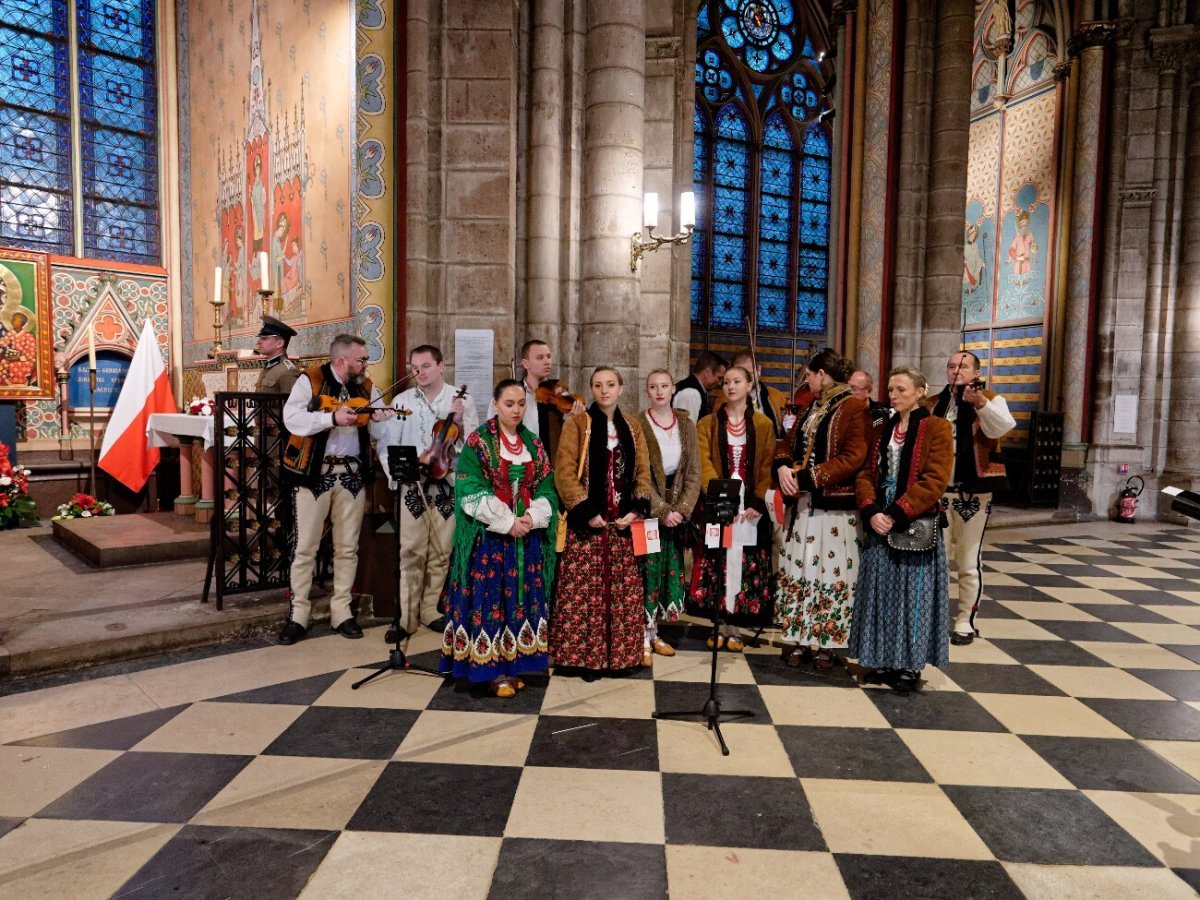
280,373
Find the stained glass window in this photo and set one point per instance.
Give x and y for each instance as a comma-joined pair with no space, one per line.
117,129
762,165
36,209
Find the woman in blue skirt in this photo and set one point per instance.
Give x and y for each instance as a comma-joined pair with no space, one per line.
502,564
901,619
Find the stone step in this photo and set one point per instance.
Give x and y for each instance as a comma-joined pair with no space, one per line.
134,540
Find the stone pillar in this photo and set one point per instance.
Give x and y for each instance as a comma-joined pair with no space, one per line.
949,144
612,183
421,126
544,310
1088,45
1183,423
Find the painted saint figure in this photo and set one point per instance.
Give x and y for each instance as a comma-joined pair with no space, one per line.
972,259
1023,250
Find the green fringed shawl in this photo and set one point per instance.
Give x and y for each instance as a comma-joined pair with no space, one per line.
480,471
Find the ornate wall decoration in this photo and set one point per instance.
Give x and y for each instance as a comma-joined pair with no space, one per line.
26,372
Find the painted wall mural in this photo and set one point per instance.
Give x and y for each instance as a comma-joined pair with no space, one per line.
1012,183
270,106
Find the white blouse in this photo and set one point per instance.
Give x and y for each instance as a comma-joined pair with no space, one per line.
669,445
494,512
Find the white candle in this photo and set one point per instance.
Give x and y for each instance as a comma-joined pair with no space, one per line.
687,209
91,350
650,210
217,287
263,279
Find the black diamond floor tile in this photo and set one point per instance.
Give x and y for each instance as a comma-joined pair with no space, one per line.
344,733
865,754
1180,684
431,798
148,787
1049,582
1122,612
215,862
118,734
889,877
580,870
595,743
769,669
982,678
684,696
301,692
1059,828
1088,631
1105,764
1048,653
728,811
8,823
1151,720
1156,595
1191,877
1007,592
1187,651
941,710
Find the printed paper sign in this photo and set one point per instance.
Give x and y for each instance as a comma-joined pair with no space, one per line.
745,534
712,536
645,537
774,500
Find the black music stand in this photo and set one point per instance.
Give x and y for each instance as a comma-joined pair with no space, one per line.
721,502
402,469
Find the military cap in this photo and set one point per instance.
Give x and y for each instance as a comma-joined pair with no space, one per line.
272,327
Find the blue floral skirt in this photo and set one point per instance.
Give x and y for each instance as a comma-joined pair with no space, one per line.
901,616
496,623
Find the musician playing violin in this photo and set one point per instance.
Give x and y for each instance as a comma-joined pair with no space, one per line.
427,510
545,419
330,473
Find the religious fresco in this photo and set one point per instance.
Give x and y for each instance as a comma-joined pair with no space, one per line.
271,161
25,341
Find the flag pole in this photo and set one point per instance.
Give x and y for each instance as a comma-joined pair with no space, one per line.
92,428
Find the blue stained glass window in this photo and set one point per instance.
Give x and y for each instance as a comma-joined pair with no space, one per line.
699,235
120,231
729,219
35,127
776,190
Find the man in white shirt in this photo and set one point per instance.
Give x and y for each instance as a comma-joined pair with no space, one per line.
691,393
427,507
330,461
543,419
979,418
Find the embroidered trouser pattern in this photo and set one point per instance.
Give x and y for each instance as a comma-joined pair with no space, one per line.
426,535
346,508
968,515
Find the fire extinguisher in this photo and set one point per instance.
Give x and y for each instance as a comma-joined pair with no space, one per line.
1127,502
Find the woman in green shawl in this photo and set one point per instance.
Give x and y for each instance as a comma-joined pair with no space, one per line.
502,564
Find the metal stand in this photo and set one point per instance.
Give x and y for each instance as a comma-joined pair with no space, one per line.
397,660
711,712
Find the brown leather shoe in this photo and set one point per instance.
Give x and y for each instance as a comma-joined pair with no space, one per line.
823,661
503,690
798,657
734,644
661,647
647,658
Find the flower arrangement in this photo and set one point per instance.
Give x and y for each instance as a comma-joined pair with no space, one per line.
15,502
201,406
84,506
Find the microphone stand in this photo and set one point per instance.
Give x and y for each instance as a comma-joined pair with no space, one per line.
402,466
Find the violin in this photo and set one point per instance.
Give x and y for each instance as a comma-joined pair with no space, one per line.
446,433
559,397
361,405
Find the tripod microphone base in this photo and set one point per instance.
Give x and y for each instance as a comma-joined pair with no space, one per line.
710,713
397,662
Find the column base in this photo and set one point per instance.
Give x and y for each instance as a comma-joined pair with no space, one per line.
204,511
186,506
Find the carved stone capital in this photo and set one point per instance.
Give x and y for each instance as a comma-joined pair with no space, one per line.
1092,34
1138,195
1173,47
663,47
842,8
1062,70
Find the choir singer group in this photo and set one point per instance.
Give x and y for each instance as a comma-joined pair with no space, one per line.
534,543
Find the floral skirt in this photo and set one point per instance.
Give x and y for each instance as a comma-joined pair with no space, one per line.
815,582
902,612
666,580
496,622
599,618
752,605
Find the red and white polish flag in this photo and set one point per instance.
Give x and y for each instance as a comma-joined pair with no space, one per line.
126,454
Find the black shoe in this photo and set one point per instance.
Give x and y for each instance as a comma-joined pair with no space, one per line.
959,639
349,629
291,632
438,625
907,680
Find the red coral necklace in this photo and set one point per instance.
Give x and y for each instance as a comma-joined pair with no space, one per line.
662,427
515,447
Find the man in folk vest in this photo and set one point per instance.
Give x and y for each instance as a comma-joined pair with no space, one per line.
330,460
979,418
691,393
280,373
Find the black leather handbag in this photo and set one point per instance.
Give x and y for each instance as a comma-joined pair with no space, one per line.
920,536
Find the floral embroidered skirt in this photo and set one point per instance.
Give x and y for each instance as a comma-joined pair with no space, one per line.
496,622
815,583
666,579
902,612
599,617
752,605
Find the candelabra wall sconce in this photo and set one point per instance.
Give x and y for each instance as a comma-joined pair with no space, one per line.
687,220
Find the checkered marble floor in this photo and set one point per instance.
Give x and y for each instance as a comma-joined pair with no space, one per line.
1058,756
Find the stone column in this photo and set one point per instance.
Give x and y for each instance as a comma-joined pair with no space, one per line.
949,143
421,124
1183,414
612,183
1088,45
544,251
